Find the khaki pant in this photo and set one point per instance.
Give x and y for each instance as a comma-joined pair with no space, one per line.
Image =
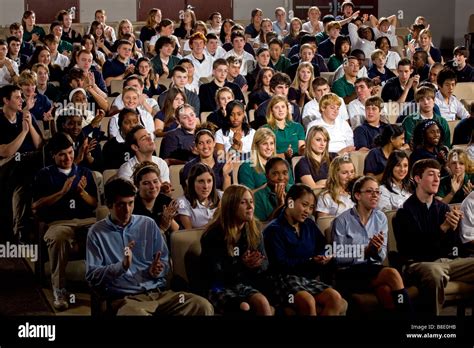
164,303
433,277
60,237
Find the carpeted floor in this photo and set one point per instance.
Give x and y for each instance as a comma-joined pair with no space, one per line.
19,293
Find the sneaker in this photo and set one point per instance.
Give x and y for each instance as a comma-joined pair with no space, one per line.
60,299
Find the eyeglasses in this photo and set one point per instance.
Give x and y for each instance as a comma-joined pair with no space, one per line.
371,192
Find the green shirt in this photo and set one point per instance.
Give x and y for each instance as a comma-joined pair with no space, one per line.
28,36
410,122
282,65
320,37
265,202
249,177
334,63
290,135
342,87
445,188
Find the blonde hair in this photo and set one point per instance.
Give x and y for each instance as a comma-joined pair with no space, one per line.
120,35
377,53
462,157
225,219
27,77
296,82
275,100
261,135
333,186
329,99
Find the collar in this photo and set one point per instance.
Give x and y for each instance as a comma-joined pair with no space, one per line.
116,227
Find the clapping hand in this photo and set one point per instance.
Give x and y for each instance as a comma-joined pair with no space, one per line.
252,259
157,266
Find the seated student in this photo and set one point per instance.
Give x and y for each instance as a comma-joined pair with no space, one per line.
238,43
236,134
425,98
402,88
121,66
177,145
263,61
278,61
455,187
43,86
164,61
295,247
192,84
205,144
150,201
449,105
14,45
392,57
289,134
362,37
463,130
392,138
201,198
68,33
252,172
143,147
65,196
32,33
207,91
420,65
307,53
218,117
340,133
165,120
342,48
301,90
132,99
234,74
426,233
367,132
427,142
464,71
385,27
261,91
279,85
16,30
116,151
201,60
20,138
84,59
272,196
378,72
467,225
37,104
425,43
395,185
235,281
135,278
326,47
57,58
364,88
213,48
312,169
8,68
150,78
344,87
364,226
311,109
359,54
316,58
336,199
179,79
87,150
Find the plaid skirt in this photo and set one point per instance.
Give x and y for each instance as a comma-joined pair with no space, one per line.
229,299
286,286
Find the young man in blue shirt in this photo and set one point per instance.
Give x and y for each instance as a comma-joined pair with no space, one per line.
127,256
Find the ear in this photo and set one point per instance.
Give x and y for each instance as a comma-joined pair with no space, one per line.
417,179
134,147
357,195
